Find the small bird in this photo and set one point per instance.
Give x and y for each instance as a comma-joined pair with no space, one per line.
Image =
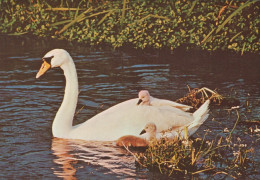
146,99
148,134
132,141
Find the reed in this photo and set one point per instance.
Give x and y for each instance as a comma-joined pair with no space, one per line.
228,19
77,19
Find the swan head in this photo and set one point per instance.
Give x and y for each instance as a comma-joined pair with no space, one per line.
149,128
52,59
144,98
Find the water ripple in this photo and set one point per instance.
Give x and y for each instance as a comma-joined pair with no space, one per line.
28,106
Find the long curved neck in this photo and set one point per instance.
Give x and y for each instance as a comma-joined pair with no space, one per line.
62,123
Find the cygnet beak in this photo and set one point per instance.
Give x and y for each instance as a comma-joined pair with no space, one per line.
139,101
143,131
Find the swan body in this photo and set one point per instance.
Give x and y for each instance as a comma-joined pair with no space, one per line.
146,99
126,118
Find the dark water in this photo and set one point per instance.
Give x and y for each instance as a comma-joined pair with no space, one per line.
28,106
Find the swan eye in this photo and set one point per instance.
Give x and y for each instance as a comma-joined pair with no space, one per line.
48,59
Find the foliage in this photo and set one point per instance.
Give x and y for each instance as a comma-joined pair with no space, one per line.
210,25
196,97
224,155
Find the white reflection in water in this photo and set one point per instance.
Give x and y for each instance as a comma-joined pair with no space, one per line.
73,155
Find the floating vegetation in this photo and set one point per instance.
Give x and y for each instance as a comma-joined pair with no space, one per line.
226,155
196,97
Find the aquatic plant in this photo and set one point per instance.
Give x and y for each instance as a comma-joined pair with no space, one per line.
163,24
182,156
196,97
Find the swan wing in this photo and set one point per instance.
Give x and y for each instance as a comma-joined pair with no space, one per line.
117,121
129,119
166,117
164,102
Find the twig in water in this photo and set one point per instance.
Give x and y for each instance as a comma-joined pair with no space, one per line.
136,159
79,110
222,172
234,124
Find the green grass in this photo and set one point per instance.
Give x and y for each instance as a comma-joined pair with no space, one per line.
163,24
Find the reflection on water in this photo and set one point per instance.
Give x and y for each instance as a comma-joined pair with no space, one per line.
28,106
102,157
62,149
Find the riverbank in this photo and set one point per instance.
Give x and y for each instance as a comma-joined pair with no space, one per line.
203,25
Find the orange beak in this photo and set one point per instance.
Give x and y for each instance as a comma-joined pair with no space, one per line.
45,66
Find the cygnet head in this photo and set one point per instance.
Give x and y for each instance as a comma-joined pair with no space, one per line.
144,98
54,58
150,128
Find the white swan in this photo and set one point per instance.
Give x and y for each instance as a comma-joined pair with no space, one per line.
125,118
146,99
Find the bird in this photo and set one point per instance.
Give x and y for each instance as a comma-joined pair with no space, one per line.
132,141
146,99
148,134
125,118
